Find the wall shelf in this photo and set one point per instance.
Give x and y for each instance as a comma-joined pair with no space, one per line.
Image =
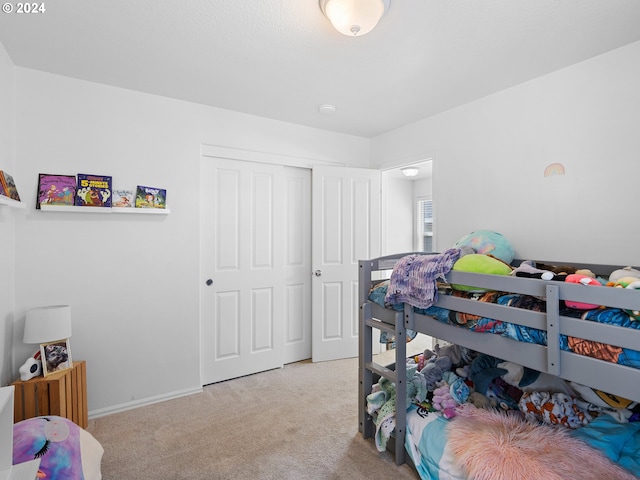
148,211
10,202
127,210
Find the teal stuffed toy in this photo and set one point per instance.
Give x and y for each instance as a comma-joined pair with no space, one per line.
487,242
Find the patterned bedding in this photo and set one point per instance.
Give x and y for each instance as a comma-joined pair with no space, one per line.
610,316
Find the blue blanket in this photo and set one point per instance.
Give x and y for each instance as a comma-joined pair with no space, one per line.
618,441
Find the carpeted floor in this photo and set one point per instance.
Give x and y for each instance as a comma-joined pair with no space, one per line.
299,422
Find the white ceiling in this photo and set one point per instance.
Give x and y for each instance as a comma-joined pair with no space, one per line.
281,59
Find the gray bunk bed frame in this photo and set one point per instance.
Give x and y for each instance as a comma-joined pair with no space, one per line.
609,377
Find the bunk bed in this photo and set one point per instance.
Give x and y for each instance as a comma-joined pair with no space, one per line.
550,357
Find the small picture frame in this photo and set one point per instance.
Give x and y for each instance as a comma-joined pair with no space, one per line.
56,356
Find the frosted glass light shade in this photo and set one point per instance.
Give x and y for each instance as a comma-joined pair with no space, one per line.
354,17
47,324
410,171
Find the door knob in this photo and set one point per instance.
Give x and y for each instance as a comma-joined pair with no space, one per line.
209,282
318,273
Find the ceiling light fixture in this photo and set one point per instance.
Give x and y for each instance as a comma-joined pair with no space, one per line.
354,17
410,171
327,109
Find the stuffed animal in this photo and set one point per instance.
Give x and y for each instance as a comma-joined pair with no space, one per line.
632,283
434,370
558,269
529,380
624,272
582,280
479,400
484,369
479,263
443,401
457,354
623,282
420,361
459,390
506,396
586,272
488,242
634,314
528,269
463,371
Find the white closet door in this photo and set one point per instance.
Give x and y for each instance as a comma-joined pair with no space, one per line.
242,309
345,229
256,264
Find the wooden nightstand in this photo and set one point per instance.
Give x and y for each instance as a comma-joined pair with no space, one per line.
62,393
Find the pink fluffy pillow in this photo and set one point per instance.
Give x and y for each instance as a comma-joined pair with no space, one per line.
498,446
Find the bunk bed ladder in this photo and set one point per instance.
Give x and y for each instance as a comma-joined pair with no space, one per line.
368,368
396,375
365,375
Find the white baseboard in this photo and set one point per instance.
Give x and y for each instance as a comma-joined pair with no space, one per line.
142,402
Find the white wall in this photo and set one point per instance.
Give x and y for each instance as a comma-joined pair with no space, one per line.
399,200
133,281
397,215
7,215
490,155
422,188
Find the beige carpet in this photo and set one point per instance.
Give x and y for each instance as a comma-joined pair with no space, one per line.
299,422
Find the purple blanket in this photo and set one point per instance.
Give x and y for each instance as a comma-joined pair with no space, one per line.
414,278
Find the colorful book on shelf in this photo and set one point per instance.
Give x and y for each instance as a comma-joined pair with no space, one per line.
123,198
2,190
9,186
93,190
56,190
151,197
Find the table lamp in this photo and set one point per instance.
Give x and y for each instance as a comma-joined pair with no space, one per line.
44,325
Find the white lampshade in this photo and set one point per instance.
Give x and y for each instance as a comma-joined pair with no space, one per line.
47,324
354,17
